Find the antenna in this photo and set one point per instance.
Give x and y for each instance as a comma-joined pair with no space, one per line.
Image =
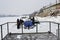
56,4
59,1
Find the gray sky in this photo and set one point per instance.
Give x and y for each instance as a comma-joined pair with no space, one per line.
22,6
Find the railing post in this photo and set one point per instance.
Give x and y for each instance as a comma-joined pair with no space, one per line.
22,29
58,32
36,28
7,27
49,26
1,33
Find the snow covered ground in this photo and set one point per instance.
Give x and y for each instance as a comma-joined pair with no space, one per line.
43,27
54,19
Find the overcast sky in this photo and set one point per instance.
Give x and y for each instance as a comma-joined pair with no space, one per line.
22,6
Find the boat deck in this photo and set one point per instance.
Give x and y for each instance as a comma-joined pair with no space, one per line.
30,36
38,33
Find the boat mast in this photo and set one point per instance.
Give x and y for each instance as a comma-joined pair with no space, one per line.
59,1
56,4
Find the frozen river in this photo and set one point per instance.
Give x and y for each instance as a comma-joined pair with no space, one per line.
6,19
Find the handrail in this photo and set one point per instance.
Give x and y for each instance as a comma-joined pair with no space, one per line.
12,22
36,28
3,24
51,22
40,22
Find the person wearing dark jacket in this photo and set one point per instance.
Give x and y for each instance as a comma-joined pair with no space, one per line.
33,20
19,23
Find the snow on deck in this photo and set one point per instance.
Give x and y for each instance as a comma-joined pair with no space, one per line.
37,36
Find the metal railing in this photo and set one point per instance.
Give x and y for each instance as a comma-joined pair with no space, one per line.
50,28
